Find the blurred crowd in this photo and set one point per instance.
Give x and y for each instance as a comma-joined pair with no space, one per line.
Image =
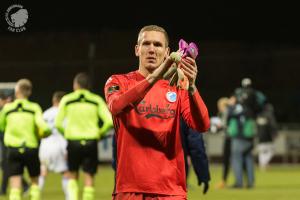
247,120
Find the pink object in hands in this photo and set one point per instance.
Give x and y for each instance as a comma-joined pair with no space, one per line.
186,49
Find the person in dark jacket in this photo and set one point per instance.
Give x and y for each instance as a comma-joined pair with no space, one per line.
241,128
194,147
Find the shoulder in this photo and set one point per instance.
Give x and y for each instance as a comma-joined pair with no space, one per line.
8,106
67,97
238,90
121,77
95,96
34,105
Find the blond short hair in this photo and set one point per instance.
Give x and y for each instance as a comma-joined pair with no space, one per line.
24,86
154,28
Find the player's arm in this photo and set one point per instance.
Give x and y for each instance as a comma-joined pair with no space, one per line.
42,126
194,110
59,119
118,97
199,112
105,116
2,120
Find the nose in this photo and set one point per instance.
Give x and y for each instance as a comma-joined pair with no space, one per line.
151,48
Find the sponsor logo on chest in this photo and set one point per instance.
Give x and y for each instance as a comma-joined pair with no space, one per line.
162,111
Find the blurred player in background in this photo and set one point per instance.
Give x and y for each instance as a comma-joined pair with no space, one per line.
82,117
223,104
6,96
23,124
267,130
53,149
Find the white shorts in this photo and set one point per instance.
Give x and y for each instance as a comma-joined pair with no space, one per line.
53,153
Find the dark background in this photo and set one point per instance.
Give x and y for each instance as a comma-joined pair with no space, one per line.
236,40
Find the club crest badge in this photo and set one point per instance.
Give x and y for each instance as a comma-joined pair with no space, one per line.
16,16
171,96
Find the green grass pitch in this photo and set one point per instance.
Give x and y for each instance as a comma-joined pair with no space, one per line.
281,182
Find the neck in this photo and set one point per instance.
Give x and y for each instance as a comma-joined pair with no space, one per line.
144,71
20,97
78,88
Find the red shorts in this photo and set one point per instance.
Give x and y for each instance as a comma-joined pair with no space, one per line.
145,196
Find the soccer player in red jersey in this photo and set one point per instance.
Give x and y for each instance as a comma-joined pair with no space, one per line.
146,112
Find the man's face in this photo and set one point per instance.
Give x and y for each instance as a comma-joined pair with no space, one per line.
151,50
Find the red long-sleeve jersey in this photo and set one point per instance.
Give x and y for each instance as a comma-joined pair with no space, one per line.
146,119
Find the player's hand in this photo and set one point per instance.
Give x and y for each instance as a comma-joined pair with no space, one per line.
206,187
160,71
189,68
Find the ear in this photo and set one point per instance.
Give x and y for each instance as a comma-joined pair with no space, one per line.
137,49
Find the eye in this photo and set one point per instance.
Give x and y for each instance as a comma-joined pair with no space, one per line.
158,44
146,43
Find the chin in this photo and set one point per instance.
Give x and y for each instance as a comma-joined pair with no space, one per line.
151,67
